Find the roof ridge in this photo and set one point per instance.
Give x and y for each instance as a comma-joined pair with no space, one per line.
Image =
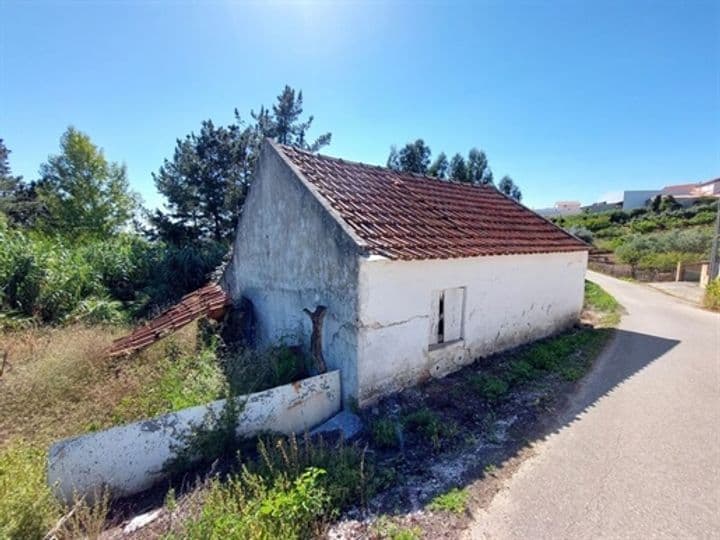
401,174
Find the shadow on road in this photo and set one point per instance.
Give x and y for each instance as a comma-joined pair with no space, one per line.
627,354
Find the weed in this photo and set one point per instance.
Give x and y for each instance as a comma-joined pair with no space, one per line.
250,370
490,468
520,371
87,518
349,479
27,506
251,506
215,437
712,295
428,423
454,501
488,387
187,379
383,433
387,530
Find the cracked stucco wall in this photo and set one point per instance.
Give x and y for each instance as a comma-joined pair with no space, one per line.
509,300
129,459
289,254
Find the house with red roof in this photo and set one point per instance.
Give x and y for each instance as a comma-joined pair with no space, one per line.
417,276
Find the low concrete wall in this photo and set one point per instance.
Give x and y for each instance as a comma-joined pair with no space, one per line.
129,459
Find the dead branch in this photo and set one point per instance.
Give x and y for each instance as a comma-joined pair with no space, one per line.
317,318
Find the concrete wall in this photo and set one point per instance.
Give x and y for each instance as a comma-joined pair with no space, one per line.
290,254
509,300
638,198
129,459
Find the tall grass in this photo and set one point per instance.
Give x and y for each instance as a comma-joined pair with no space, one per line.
51,279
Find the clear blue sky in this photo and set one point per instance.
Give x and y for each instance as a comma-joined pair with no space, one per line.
573,99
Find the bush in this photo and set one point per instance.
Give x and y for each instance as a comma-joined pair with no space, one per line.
712,295
349,478
582,233
27,507
256,508
48,278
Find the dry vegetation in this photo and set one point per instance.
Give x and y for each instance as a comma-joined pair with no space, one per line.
57,383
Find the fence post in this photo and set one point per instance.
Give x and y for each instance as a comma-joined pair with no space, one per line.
679,271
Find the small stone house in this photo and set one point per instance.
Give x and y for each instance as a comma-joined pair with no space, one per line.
419,276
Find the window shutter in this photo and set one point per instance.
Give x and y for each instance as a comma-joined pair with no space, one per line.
453,313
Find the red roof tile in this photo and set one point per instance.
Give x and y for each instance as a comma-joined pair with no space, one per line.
408,216
210,300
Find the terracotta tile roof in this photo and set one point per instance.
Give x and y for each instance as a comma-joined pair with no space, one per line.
210,300
408,216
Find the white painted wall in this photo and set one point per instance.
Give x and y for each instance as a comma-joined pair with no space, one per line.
129,459
290,253
508,301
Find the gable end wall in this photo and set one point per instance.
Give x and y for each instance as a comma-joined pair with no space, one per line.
290,253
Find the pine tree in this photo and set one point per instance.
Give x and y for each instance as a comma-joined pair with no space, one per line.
440,167
478,171
206,182
414,157
509,188
458,169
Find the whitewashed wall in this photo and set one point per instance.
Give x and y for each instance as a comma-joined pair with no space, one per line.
509,300
290,253
129,459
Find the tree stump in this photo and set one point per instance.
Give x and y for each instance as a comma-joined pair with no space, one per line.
317,318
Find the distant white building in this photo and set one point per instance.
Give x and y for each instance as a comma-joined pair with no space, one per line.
638,198
561,208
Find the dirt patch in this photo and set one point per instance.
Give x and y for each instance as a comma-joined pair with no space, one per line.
471,435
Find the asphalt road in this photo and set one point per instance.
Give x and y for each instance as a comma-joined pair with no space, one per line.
638,453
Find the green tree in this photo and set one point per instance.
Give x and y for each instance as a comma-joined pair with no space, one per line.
413,157
440,167
458,168
285,125
206,182
509,188
82,193
478,171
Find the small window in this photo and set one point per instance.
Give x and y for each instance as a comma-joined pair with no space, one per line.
447,315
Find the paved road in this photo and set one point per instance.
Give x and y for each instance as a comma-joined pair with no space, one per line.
638,455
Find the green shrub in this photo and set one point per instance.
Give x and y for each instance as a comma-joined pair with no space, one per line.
49,277
454,501
213,438
252,507
489,387
350,477
27,508
383,433
712,295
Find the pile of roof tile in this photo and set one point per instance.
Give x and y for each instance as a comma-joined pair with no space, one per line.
208,301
